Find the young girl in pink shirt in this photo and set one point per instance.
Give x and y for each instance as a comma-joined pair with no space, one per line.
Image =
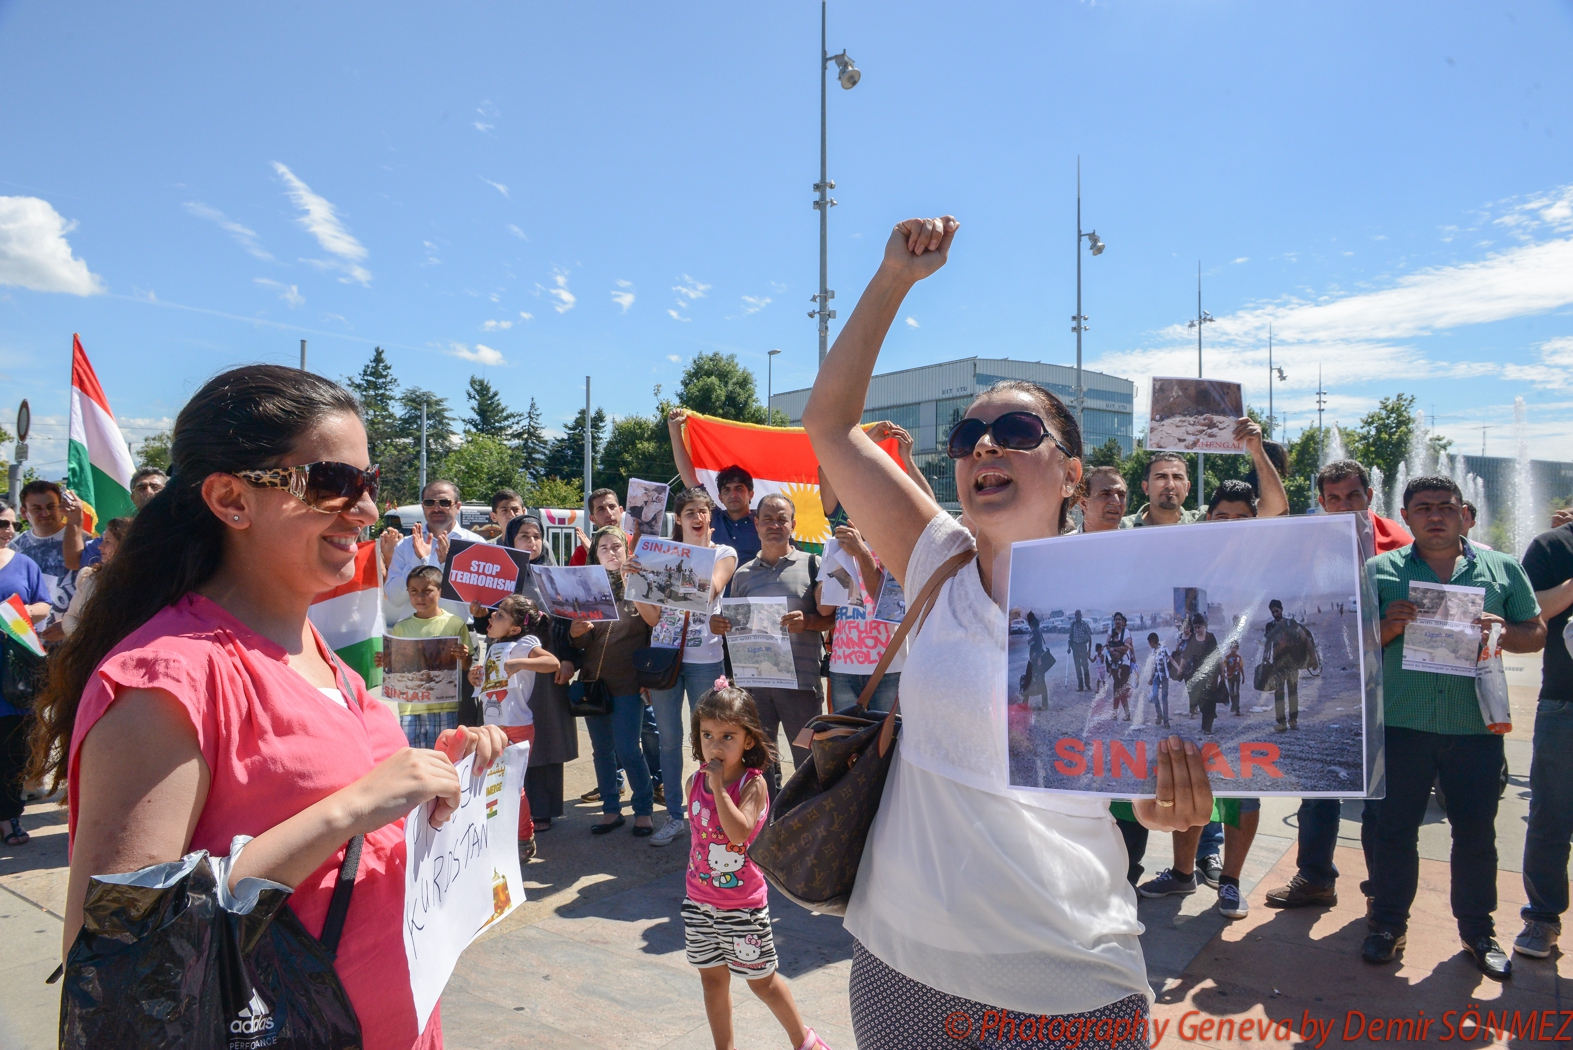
726,916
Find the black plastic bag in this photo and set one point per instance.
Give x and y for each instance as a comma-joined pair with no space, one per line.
169,958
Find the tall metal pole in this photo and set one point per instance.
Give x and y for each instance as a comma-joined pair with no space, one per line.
1271,419
1081,322
824,203
770,384
303,355
588,442
423,450
1320,401
1201,474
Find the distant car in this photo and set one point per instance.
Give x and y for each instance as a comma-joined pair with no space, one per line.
1019,626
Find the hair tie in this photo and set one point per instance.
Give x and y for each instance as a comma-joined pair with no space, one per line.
720,683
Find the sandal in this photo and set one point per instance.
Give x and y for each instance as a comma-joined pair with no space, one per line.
542,825
811,1041
17,837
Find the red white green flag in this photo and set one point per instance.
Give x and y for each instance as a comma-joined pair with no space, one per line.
349,617
18,626
98,459
780,459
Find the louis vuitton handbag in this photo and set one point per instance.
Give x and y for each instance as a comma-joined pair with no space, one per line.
812,844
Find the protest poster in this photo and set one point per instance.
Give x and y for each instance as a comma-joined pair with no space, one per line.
1194,415
840,583
464,876
577,592
645,511
670,574
892,604
483,572
421,670
1296,714
1444,637
761,649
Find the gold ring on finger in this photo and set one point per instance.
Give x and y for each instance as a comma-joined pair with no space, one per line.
1165,803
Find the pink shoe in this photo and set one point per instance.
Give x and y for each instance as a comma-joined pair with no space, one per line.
811,1040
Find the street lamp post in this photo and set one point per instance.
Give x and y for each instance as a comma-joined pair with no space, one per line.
848,76
1202,317
1079,321
770,385
1272,373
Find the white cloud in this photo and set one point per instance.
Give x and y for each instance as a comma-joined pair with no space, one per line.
1243,259
622,294
494,326
912,322
481,355
1554,370
752,304
246,238
431,254
517,232
34,253
1553,211
675,359
565,298
487,110
677,316
499,187
690,289
525,315
321,220
288,292
482,126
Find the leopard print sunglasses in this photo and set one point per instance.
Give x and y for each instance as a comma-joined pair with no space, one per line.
326,486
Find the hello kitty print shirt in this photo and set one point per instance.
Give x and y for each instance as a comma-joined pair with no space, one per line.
719,871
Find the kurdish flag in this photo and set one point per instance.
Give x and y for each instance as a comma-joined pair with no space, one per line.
99,461
780,459
349,617
18,626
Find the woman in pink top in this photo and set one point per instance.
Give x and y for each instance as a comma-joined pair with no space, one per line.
196,702
726,916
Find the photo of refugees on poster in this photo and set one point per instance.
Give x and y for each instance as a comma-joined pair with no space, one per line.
760,648
670,574
1249,637
582,592
1194,415
421,670
646,507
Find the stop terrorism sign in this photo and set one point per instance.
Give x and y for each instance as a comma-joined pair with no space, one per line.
481,572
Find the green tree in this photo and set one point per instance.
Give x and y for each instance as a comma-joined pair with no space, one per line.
154,451
639,447
489,414
378,391
1382,439
551,492
716,385
480,466
565,455
532,445
401,461
1108,454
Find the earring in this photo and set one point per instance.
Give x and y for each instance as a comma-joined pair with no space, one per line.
236,517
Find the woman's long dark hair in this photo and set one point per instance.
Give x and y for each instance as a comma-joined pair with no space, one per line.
244,419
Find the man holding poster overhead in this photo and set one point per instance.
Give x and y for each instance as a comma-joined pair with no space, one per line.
1434,729
1168,484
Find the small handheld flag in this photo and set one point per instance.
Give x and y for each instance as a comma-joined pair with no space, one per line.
18,625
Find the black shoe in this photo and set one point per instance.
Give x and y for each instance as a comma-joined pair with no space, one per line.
1490,957
1210,869
1382,946
643,831
660,794
607,829
1301,893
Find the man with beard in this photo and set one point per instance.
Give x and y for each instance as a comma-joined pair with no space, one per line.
1104,504
1168,484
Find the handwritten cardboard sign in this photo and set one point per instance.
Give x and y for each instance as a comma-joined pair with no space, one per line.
462,877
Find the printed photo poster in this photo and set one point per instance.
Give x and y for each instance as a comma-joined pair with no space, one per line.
464,876
645,511
577,592
1278,705
839,576
892,604
671,574
761,649
1194,415
421,670
1444,638
483,572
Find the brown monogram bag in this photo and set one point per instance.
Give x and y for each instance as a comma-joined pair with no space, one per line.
812,844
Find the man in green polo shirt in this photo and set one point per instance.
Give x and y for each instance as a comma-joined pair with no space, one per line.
1434,729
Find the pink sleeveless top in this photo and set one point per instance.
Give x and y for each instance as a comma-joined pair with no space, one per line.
719,871
274,745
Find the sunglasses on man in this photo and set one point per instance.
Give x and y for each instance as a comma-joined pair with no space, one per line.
437,501
1015,431
325,486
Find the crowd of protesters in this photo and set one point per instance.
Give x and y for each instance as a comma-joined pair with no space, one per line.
189,700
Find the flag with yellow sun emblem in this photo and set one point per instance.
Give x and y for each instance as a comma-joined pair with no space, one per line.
780,459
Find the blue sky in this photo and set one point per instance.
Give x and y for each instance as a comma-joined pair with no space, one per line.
542,192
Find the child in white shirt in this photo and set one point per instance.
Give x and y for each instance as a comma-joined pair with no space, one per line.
1100,668
504,681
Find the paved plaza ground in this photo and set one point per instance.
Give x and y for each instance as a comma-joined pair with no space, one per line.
595,958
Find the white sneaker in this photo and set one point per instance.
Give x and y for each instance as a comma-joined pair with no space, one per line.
1231,905
673,827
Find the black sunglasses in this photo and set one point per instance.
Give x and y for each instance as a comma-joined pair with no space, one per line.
433,501
1016,431
327,486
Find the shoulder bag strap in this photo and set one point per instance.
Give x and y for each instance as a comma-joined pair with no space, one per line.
917,612
339,906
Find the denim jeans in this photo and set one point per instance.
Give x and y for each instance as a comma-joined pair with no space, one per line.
845,689
1318,819
1159,696
1550,813
1135,836
696,680
1469,768
619,734
650,743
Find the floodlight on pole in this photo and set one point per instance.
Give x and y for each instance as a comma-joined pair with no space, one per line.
1202,317
848,75
1079,319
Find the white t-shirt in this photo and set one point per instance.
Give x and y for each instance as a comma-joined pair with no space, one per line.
1011,897
703,646
505,699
